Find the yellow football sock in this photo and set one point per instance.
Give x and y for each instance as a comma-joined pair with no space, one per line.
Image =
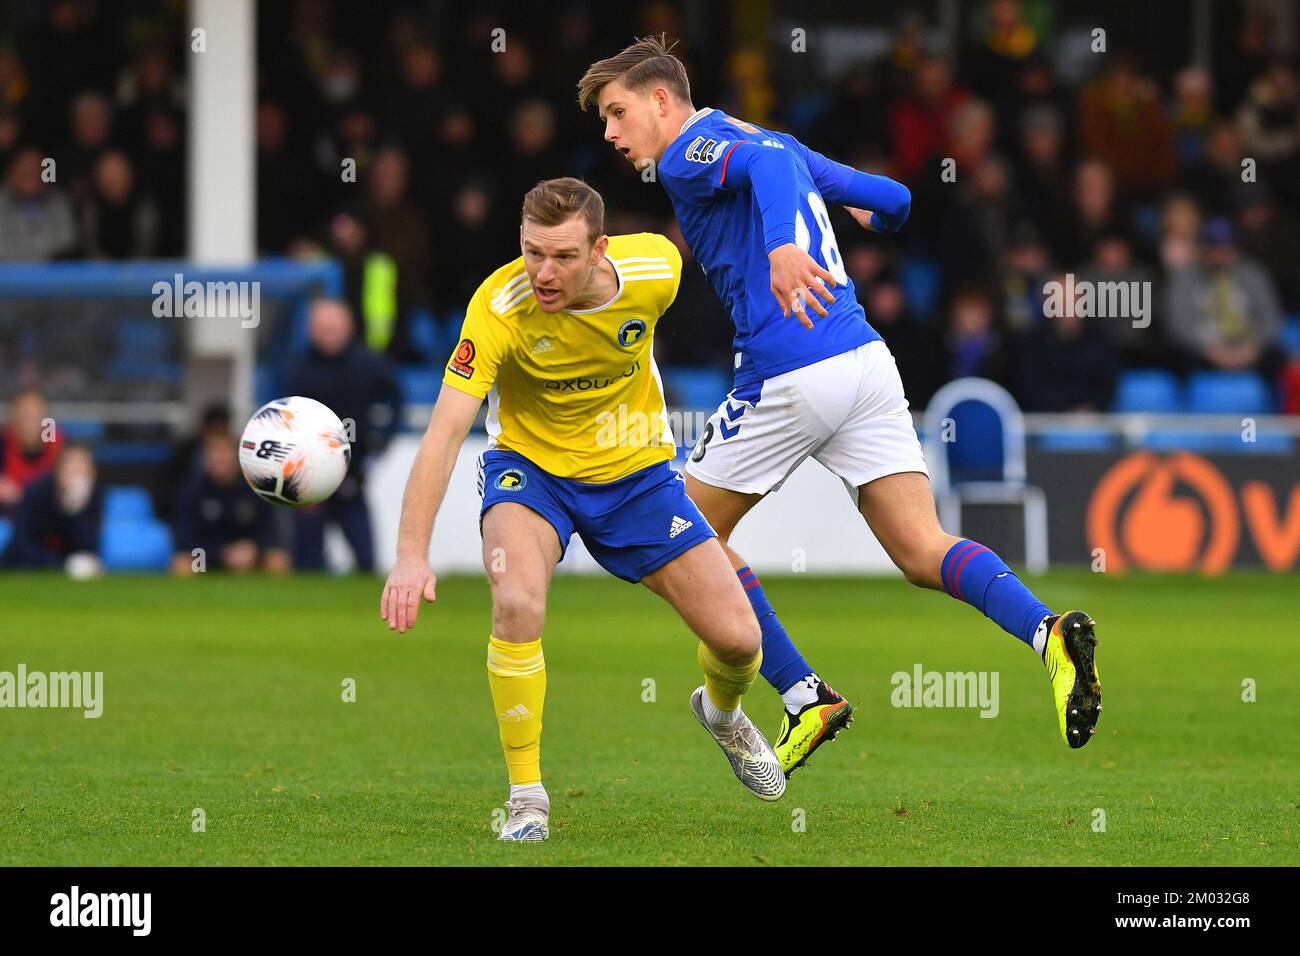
517,676
726,683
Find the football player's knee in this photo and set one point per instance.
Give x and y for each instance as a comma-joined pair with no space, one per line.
518,613
741,640
920,564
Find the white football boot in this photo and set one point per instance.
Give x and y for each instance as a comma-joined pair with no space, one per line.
751,757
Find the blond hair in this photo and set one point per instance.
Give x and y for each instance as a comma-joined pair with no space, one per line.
647,61
553,201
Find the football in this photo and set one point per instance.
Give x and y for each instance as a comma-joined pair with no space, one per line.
294,451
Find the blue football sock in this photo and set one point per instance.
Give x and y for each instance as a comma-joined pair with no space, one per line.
974,574
783,665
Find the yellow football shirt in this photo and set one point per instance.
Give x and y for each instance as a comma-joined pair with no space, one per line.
577,392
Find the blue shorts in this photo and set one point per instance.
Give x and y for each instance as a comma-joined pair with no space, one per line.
631,526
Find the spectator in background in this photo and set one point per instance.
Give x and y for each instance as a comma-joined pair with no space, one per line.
533,152
1008,42
1121,123
160,167
91,123
11,133
1273,240
1025,269
216,512
1192,115
1222,310
25,455
919,122
975,346
36,219
473,244
1042,179
286,182
1270,117
59,519
1113,261
361,388
1066,364
185,460
913,344
118,222
1216,180
1095,213
398,227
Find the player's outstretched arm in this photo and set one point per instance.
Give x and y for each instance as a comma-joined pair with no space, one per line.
411,578
878,203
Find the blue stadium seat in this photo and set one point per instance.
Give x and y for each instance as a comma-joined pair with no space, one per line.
1228,393
133,453
1147,390
1217,442
424,334
922,283
133,368
696,388
135,544
266,384
80,430
419,383
1077,440
6,534
977,453
145,339
1291,336
127,502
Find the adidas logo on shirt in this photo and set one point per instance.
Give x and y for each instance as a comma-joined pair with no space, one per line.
679,525
517,713
543,345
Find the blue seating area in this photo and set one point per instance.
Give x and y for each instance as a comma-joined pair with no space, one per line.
132,538
419,383
1204,393
696,388
6,534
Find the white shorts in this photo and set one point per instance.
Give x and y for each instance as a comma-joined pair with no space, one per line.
848,412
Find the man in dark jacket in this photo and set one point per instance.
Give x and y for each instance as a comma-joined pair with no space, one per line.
216,512
361,388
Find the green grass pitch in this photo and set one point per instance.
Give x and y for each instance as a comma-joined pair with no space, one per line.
226,694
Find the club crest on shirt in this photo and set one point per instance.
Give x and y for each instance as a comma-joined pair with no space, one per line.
630,332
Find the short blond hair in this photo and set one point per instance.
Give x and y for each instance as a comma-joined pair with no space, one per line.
553,201
647,61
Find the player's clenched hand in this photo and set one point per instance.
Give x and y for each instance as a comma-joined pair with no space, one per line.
407,583
863,216
798,280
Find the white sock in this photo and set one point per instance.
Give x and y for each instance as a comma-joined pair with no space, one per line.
1040,636
803,693
717,719
534,794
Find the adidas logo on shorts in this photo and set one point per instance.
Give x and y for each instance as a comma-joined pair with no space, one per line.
678,526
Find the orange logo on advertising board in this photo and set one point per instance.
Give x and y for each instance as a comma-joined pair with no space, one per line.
1179,513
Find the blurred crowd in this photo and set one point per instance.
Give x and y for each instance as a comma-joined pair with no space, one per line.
54,511
1187,179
